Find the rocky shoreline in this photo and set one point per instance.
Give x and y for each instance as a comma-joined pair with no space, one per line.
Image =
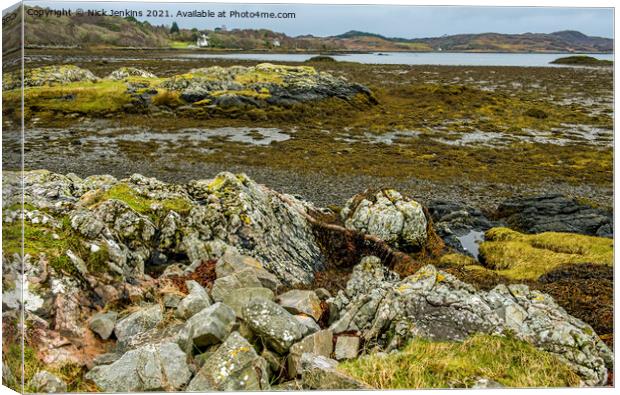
214,284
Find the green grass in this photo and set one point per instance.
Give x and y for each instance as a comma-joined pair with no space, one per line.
521,256
427,364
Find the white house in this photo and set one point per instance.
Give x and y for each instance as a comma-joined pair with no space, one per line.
203,41
275,43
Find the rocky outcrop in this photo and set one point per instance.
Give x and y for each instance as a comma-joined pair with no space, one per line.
262,85
48,75
433,304
555,213
125,72
387,214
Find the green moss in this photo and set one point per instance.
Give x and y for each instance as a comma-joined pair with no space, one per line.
520,256
427,364
141,204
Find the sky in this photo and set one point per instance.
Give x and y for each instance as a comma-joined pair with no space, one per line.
391,21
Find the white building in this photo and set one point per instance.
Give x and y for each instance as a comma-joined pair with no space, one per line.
203,41
275,43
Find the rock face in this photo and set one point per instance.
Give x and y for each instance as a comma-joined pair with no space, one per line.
301,302
387,214
235,366
261,85
555,213
138,220
160,367
435,305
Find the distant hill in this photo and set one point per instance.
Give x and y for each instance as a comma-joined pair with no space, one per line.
95,31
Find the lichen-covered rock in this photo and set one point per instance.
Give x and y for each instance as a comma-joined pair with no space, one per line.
45,382
387,214
224,285
139,220
160,367
124,72
48,75
238,298
299,301
262,85
138,322
103,324
234,366
319,343
435,305
194,302
233,262
211,325
272,323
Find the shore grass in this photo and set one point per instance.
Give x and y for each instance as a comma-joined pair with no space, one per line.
428,364
521,256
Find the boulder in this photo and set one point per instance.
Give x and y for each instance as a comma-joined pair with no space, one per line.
196,300
236,299
233,262
46,382
224,285
555,213
103,324
211,325
273,324
387,214
301,302
153,367
234,366
308,322
138,322
319,343
347,347
435,305
321,373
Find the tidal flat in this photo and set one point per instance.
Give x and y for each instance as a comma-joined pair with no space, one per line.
477,134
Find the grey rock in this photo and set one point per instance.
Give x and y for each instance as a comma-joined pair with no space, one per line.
236,299
171,300
233,262
45,382
322,293
347,347
387,214
196,300
555,213
243,279
152,367
235,366
211,325
483,383
321,373
138,322
272,323
435,305
103,324
124,72
309,323
319,343
107,358
301,302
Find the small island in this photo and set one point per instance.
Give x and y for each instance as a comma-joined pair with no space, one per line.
582,60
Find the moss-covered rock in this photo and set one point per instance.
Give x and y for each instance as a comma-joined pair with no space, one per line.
48,75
